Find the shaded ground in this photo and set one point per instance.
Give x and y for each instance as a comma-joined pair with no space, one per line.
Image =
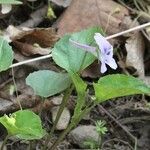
127,117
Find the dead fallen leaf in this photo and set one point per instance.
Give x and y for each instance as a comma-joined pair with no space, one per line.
43,36
135,49
87,13
28,49
31,41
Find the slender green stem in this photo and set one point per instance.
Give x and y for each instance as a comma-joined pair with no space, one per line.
99,141
42,105
73,123
62,135
4,142
62,106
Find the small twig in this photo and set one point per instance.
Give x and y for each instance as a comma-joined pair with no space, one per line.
30,60
60,111
109,37
128,31
118,123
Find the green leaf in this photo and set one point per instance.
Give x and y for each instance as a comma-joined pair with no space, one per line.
112,86
6,55
70,57
10,2
80,86
46,83
23,124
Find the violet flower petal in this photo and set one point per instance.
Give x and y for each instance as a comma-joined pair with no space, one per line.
112,63
103,44
105,52
103,67
85,47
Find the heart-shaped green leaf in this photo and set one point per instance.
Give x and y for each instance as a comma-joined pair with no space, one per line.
23,124
6,55
70,57
112,86
46,83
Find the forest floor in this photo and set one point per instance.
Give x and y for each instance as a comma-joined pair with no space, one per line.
40,24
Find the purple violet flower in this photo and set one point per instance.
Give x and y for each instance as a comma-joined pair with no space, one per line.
105,52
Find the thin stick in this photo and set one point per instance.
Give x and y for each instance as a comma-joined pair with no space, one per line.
109,37
128,31
30,60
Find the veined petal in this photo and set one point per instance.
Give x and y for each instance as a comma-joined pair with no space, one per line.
103,67
112,63
85,47
103,44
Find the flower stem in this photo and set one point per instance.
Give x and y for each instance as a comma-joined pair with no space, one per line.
99,141
62,106
73,123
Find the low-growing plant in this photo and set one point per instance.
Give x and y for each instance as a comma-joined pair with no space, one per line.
101,130
73,53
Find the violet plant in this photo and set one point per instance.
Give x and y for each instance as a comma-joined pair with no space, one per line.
104,53
73,53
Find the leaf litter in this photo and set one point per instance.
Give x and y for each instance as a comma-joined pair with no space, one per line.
29,42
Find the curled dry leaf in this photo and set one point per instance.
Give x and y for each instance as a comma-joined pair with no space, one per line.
28,49
31,41
135,56
135,50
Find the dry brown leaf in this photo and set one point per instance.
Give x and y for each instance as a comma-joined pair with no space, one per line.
135,50
87,13
28,49
32,41
45,37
